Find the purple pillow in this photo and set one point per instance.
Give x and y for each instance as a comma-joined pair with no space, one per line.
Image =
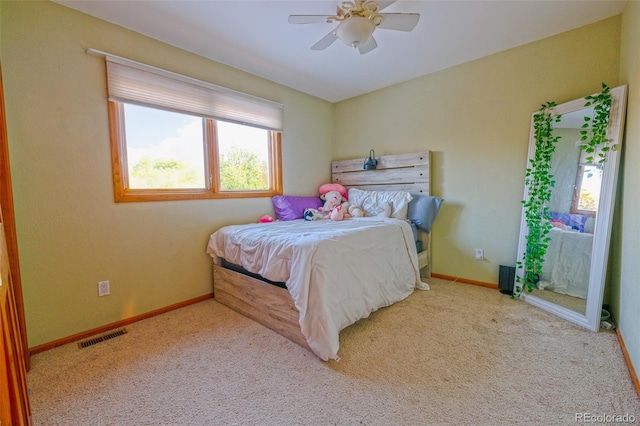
290,207
575,221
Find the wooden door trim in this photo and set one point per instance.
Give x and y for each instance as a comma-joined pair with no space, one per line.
7,217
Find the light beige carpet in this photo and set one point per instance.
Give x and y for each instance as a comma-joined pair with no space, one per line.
458,354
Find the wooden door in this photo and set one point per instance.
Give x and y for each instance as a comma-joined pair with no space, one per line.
14,399
14,358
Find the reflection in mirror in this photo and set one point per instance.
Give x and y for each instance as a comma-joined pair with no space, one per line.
571,283
573,208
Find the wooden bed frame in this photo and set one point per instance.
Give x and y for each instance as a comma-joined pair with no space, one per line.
273,306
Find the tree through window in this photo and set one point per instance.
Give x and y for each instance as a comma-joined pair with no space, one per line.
174,137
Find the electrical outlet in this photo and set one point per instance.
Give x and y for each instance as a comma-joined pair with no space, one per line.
479,254
104,288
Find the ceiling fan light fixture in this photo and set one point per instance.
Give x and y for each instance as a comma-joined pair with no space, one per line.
357,20
355,31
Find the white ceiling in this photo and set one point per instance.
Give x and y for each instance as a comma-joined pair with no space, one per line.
254,36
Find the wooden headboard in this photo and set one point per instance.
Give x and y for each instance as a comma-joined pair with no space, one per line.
401,172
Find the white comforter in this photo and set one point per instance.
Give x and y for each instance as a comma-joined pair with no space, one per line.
336,272
567,263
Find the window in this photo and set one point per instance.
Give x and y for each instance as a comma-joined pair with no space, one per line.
176,138
586,196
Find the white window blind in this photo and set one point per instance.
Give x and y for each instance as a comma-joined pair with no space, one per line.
136,83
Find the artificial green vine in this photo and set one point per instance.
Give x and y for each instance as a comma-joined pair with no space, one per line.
598,143
539,181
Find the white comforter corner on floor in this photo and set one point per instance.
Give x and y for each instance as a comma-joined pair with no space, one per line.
336,271
567,263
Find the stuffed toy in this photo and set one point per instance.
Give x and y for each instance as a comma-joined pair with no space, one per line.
266,219
334,195
338,213
312,214
333,187
355,211
332,199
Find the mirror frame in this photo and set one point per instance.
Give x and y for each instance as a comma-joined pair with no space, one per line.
604,216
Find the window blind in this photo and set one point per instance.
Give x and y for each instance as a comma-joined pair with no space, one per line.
140,84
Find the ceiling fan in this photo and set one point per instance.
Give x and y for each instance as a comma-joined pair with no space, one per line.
357,21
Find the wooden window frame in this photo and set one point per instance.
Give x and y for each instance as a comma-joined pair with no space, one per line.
122,192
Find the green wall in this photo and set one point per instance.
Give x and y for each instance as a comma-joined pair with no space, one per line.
70,232
475,118
625,294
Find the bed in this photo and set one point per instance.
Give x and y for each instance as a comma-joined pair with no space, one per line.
308,280
567,263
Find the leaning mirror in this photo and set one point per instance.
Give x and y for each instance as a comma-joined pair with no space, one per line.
566,226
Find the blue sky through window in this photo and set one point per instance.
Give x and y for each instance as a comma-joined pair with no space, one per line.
163,135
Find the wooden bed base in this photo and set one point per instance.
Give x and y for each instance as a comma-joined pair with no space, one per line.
273,306
264,303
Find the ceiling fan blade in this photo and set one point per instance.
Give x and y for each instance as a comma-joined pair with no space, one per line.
325,41
384,4
367,46
307,19
399,21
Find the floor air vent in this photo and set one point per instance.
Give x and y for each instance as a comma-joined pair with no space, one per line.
94,340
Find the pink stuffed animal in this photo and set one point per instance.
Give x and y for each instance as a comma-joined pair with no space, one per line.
266,219
333,187
332,199
338,213
334,196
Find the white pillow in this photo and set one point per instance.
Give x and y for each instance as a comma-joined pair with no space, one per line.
378,210
399,201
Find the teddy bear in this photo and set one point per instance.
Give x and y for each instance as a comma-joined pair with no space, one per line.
336,206
332,199
334,195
